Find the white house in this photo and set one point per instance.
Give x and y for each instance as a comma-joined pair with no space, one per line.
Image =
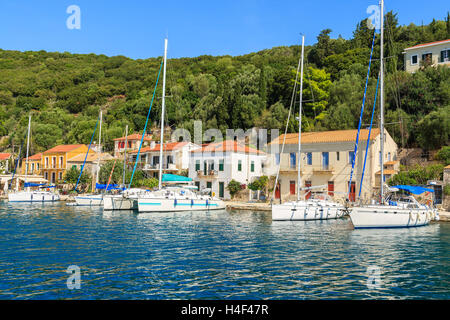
175,157
434,53
326,160
216,164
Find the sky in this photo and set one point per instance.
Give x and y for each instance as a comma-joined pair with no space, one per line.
137,28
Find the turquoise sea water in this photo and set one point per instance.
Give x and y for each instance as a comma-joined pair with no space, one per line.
216,255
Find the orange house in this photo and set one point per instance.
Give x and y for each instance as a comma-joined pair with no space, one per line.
34,164
54,160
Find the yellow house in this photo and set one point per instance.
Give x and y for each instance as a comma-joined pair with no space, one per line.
34,164
54,161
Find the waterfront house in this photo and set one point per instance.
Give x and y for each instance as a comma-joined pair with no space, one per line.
434,53
34,164
133,141
54,160
90,167
326,160
214,165
175,157
6,162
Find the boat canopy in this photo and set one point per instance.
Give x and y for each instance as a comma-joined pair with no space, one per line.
171,178
413,189
110,187
31,184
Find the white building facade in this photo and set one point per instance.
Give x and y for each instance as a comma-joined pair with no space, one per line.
216,164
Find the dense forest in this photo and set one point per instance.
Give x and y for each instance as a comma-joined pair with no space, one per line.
64,92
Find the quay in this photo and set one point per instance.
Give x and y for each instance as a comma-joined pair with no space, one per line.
256,206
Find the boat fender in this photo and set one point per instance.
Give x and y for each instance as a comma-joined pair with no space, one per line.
192,202
174,202
418,216
207,204
31,197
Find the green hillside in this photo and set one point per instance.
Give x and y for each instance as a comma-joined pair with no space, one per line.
65,91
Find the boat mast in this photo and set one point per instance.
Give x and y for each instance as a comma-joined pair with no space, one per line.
99,148
382,101
299,182
125,155
28,148
162,115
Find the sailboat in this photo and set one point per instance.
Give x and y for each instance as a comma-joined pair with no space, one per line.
28,195
311,209
127,200
177,198
93,199
388,214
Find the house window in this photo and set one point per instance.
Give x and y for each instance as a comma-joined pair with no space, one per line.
46,162
277,158
197,165
292,159
170,159
32,167
37,166
445,55
61,162
53,162
60,176
46,175
309,158
414,59
351,155
221,165
389,156
252,166
240,165
427,58
337,156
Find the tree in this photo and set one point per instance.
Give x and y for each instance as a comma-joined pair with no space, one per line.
444,155
433,131
233,187
71,177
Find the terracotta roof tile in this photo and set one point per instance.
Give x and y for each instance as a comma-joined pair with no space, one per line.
428,44
170,146
37,156
387,171
4,156
135,136
327,136
64,148
90,158
227,146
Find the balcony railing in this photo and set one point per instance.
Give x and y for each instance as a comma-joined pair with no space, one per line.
323,170
208,173
165,166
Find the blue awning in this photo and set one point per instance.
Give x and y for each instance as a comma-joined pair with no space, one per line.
413,189
167,177
103,186
31,184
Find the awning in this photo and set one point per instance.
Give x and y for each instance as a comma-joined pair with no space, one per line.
167,177
413,189
110,186
35,179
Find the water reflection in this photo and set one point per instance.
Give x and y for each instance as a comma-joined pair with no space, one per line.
212,255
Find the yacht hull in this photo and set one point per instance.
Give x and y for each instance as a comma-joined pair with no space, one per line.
178,205
92,200
378,217
119,203
33,197
302,212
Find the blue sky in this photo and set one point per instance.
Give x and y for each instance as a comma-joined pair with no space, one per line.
136,28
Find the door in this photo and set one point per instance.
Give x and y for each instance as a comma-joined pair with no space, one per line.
292,187
277,192
308,192
197,184
53,177
221,190
209,185
325,160
331,188
352,194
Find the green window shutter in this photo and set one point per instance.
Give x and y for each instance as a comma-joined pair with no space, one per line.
240,165
252,166
220,165
197,165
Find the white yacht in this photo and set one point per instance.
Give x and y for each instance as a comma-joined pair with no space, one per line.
29,195
383,215
125,201
175,199
312,209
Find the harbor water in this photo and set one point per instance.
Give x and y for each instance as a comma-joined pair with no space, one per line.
213,255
